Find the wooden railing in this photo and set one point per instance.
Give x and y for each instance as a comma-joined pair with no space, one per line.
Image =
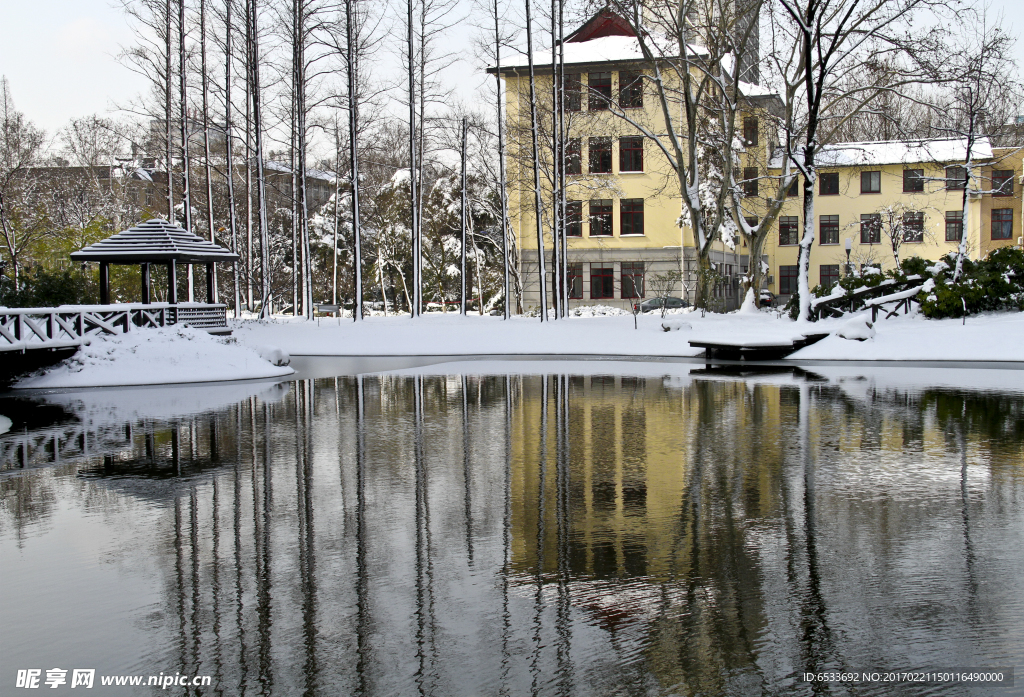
70,325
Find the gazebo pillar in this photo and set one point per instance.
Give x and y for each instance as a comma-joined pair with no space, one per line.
145,284
211,287
104,283
172,282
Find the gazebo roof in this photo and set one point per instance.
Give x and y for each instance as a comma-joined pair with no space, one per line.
154,241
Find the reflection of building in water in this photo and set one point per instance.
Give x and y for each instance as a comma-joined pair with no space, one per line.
589,535
643,454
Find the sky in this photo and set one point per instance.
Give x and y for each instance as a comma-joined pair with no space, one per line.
60,57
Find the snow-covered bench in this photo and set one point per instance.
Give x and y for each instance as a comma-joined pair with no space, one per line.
836,303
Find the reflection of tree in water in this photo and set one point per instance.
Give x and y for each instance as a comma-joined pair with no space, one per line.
506,535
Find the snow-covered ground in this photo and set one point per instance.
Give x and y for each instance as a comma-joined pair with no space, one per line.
990,337
157,356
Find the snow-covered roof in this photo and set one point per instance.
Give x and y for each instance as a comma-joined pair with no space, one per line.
892,152
310,173
606,49
154,240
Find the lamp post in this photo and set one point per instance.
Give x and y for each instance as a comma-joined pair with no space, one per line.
849,247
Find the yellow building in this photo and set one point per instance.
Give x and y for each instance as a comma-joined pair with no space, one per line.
622,197
870,193
623,200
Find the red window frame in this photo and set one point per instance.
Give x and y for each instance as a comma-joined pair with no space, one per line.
913,226
913,181
602,282
871,182
870,228
600,91
954,226
1002,223
789,230
600,155
631,154
632,280
631,216
828,228
574,219
601,217
631,89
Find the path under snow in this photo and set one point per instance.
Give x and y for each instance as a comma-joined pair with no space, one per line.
159,356
990,337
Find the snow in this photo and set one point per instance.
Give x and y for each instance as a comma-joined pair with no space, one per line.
106,407
911,337
5,424
165,355
858,328
604,49
748,307
888,152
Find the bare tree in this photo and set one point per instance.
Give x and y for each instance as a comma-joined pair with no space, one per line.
21,144
816,46
981,91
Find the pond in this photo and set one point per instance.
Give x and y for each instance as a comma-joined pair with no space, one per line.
518,528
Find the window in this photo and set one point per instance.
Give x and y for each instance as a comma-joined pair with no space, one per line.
750,130
828,275
913,226
871,182
794,187
956,178
573,90
631,216
828,184
913,181
787,279
828,228
575,281
1002,182
574,156
870,228
573,159
602,282
789,230
574,218
750,181
600,91
1002,223
601,217
632,279
631,90
631,154
954,226
600,155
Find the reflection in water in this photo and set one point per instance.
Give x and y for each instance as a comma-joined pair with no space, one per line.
566,534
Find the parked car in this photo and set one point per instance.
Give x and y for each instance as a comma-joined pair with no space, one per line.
652,304
768,299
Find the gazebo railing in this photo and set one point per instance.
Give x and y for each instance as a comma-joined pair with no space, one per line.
71,325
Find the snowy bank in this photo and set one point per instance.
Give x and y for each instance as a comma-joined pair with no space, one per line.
158,356
989,337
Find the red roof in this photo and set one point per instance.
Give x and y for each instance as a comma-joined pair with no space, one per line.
604,23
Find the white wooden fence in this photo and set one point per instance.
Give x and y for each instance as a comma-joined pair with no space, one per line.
71,325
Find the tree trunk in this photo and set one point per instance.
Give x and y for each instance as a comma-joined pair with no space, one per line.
539,213
501,167
353,142
232,219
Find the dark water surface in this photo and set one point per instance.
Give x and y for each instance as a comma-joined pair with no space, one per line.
487,529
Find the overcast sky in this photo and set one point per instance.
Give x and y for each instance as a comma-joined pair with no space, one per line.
60,56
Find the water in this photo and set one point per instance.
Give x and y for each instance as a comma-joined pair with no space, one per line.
488,529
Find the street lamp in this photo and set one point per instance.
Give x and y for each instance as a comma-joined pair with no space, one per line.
849,246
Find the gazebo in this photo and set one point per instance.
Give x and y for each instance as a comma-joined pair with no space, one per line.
155,241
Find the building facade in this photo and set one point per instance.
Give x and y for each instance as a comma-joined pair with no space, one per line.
625,236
